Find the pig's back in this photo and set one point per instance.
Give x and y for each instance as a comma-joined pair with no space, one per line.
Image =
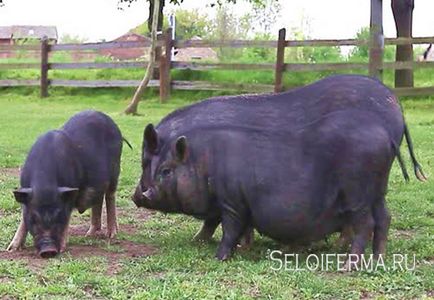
98,141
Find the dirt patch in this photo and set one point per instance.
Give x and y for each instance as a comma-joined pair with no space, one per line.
80,223
28,256
138,214
403,234
80,230
6,172
113,252
365,295
122,249
429,261
4,280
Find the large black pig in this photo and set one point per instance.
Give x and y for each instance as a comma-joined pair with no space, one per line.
74,167
297,166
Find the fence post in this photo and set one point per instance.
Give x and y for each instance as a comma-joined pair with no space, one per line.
165,66
45,48
376,43
280,61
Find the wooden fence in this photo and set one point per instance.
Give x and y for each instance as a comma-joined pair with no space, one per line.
165,64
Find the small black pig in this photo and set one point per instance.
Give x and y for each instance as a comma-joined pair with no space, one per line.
74,167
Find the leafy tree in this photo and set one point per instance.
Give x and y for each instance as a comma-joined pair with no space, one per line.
191,23
122,3
225,27
132,107
260,54
264,15
361,53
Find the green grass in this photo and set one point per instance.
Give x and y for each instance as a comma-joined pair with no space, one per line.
181,268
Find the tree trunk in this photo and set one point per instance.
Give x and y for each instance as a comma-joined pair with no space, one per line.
132,107
158,51
403,15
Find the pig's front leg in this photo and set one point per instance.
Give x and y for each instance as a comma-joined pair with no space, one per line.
207,230
95,222
19,239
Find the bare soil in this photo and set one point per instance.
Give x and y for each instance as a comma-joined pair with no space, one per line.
6,172
124,249
403,234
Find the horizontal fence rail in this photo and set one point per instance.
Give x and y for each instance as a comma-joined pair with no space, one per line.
166,64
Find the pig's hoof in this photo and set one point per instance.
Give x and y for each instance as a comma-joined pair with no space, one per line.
343,245
223,254
222,257
349,267
13,246
93,232
111,234
202,238
245,244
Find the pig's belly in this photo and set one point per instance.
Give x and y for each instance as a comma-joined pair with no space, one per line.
288,225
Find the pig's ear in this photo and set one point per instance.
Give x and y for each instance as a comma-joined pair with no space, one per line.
22,195
150,139
67,193
181,148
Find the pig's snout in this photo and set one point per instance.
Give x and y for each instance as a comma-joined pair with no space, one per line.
148,194
47,249
145,197
151,194
138,197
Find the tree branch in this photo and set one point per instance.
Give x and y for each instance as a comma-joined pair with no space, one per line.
132,107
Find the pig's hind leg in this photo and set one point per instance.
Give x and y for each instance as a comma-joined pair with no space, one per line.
19,239
64,238
246,240
382,222
110,202
363,224
110,195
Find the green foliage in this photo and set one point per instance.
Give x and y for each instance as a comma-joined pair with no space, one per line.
260,54
321,54
191,23
225,27
263,15
72,39
180,268
361,53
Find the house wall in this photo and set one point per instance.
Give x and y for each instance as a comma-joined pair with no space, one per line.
5,53
127,53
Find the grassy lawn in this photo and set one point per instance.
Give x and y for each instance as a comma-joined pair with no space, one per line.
154,256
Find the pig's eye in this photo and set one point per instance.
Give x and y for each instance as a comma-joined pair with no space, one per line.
166,172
